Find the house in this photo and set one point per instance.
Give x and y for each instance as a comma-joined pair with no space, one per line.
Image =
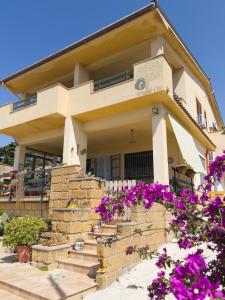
127,102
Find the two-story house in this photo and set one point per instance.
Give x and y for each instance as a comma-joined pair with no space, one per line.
127,102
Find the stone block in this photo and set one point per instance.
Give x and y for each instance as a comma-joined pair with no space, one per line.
59,187
78,194
59,179
105,250
94,194
74,185
48,255
59,195
66,170
90,184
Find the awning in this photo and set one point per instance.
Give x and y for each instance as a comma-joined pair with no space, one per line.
187,146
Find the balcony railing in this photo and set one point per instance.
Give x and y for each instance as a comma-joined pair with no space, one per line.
24,103
111,80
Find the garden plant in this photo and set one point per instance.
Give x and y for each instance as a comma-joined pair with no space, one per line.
197,218
23,232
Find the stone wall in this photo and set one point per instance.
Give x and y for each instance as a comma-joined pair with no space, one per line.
69,186
23,207
113,260
48,256
73,223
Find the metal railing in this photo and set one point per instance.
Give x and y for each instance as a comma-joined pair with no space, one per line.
24,103
37,183
5,188
111,80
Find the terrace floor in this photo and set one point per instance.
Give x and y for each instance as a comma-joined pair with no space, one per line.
23,281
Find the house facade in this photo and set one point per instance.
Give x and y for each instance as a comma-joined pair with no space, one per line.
127,102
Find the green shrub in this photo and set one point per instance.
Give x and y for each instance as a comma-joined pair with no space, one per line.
23,231
4,219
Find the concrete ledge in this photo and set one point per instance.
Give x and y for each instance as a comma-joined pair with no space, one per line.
71,209
50,248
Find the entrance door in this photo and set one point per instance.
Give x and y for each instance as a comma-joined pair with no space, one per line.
139,166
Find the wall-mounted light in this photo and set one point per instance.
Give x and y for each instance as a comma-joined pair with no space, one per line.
131,140
155,110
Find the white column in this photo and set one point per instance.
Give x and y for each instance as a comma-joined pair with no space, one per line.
75,144
19,157
81,75
160,152
157,46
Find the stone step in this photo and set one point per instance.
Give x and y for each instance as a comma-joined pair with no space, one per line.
81,266
57,285
6,295
46,235
90,245
103,235
88,255
112,229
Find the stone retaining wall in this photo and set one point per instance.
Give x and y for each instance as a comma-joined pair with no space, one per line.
23,207
70,186
73,223
113,260
48,256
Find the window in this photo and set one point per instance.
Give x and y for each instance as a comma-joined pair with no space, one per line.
203,161
115,167
139,165
199,107
205,116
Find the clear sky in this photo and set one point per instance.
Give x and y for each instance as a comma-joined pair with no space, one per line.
31,30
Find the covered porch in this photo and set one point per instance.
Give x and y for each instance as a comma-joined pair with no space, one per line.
138,145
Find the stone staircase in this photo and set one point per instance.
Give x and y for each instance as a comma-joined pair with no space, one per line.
77,272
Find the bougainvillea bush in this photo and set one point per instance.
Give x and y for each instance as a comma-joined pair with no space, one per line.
196,219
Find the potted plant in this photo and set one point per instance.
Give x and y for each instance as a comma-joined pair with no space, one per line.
79,244
21,233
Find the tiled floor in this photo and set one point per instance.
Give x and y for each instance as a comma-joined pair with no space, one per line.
31,283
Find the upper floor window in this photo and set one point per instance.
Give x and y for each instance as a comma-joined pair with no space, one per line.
205,117
201,117
199,107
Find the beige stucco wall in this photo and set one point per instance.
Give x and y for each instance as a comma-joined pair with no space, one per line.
186,84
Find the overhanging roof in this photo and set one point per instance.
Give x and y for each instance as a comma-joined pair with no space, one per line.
137,27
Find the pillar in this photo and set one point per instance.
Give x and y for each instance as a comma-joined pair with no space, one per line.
81,75
19,158
75,144
157,47
160,152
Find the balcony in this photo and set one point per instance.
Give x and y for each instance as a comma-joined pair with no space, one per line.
111,80
24,103
148,82
44,111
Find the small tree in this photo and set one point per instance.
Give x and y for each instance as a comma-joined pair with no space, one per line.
7,154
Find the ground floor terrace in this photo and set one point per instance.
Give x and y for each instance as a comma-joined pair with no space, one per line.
146,144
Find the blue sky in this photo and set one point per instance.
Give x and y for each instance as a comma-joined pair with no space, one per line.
31,30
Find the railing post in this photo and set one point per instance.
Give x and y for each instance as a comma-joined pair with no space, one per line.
19,192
